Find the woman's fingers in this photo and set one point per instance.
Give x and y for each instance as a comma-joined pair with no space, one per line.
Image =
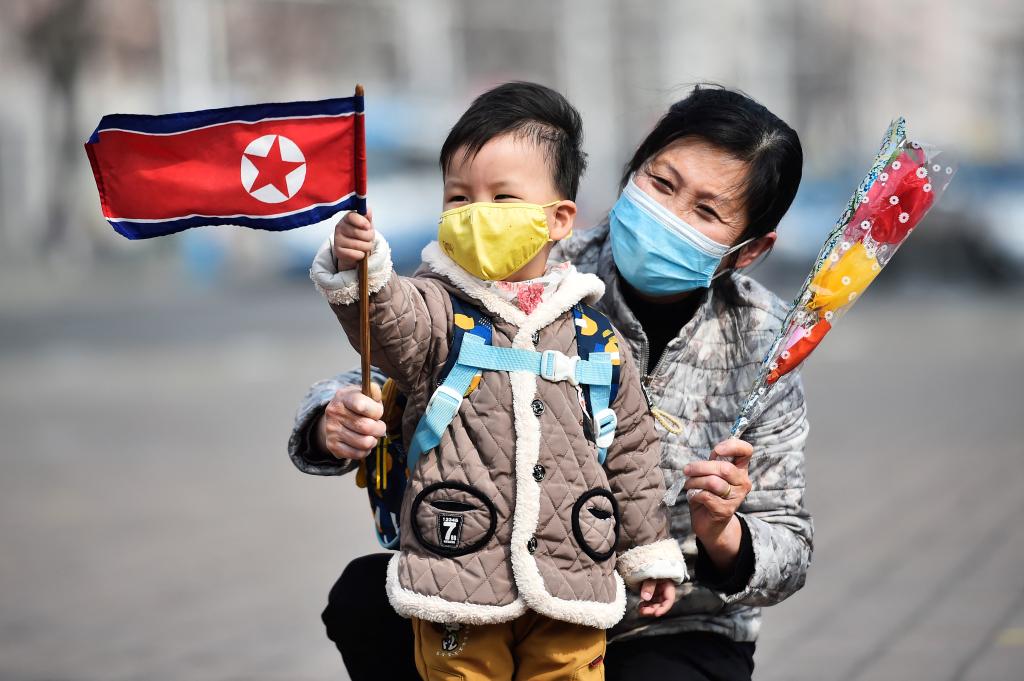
719,509
729,472
340,450
352,423
735,450
354,401
711,483
352,438
360,425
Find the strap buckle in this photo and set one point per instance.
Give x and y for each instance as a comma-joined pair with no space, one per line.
557,366
444,394
605,422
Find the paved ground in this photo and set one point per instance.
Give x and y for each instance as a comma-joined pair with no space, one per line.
151,526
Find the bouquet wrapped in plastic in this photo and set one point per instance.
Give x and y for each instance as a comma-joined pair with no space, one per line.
905,181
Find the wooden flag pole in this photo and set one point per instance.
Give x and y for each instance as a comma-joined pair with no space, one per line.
364,267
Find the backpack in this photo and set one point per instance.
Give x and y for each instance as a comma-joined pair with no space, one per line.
385,472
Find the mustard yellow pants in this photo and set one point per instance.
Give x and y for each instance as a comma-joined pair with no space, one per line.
531,647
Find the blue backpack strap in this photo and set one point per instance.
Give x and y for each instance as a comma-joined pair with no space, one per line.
455,381
466,319
596,368
595,338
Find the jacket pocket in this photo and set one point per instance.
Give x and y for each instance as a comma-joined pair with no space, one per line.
453,519
595,523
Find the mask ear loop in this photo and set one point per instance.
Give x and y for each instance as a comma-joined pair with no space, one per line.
734,249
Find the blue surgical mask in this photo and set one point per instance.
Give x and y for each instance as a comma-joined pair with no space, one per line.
657,252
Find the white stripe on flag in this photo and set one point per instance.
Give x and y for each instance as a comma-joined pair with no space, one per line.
225,217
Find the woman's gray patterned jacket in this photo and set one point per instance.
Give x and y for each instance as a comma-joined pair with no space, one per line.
702,377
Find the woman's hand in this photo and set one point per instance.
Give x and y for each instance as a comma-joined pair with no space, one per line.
350,424
353,239
722,487
656,597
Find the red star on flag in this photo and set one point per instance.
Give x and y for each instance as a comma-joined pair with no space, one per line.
272,169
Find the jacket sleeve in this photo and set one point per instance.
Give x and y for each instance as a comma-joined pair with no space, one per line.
410,318
302,448
645,549
780,526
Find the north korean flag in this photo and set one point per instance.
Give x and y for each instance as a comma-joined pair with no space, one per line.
265,166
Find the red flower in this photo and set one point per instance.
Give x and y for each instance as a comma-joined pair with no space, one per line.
790,359
897,200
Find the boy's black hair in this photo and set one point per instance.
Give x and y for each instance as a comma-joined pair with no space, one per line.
533,111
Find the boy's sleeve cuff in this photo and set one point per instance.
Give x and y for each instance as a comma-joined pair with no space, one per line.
658,560
342,288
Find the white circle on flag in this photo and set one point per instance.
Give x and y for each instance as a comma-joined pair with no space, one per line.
284,173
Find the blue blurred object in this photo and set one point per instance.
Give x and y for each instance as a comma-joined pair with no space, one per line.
203,253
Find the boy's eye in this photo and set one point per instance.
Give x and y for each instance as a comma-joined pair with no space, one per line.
458,198
505,197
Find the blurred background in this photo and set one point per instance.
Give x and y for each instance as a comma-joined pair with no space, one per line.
151,525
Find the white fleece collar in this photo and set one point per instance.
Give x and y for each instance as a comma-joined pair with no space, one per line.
575,287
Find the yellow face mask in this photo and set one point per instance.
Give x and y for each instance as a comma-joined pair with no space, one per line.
492,241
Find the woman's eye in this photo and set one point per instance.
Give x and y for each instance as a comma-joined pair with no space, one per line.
662,183
708,211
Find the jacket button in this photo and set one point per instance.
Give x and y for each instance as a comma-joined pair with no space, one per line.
538,472
538,407
531,545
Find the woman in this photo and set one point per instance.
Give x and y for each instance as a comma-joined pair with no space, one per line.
701,199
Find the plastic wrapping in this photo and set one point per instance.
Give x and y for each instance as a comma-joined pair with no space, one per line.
905,181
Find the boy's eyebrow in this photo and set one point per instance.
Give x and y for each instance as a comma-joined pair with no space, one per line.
505,183
500,183
450,182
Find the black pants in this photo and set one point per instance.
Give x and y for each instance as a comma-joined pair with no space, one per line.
376,643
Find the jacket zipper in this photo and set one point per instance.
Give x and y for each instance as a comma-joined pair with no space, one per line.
646,378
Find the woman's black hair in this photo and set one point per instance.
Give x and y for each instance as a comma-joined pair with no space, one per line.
738,125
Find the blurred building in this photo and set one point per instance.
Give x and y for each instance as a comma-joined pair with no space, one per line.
837,71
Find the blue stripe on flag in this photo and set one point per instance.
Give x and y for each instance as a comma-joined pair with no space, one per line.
148,230
249,113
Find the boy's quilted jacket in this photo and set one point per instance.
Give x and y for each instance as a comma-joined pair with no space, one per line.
512,510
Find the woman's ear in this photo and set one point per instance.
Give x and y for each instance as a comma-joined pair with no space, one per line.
755,249
561,218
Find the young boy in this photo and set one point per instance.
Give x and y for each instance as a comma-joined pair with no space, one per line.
525,496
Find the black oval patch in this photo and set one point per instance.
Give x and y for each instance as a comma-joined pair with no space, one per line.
453,506
599,513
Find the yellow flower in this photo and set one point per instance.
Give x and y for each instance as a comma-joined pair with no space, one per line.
841,283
